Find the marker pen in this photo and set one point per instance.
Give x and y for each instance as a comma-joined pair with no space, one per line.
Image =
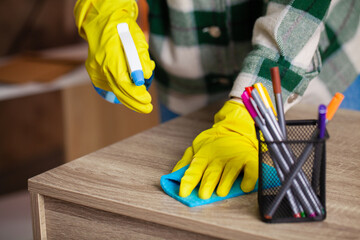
319,134
333,106
264,95
322,121
275,77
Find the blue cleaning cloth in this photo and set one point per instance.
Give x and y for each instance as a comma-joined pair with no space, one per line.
170,183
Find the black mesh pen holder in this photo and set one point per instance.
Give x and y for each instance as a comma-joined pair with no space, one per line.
300,168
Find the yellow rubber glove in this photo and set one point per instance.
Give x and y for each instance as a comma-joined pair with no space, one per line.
106,62
221,153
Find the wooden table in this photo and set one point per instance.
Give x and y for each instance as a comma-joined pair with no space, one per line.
114,193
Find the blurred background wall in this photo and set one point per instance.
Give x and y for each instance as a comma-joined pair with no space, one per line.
36,24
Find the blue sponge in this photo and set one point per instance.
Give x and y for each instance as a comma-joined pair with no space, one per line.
170,183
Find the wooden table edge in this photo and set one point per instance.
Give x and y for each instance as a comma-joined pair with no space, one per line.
38,191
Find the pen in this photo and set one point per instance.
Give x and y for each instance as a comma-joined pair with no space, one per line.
322,121
283,162
318,146
267,103
275,76
132,57
265,97
269,100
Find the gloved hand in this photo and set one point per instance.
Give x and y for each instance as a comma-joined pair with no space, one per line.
106,62
220,153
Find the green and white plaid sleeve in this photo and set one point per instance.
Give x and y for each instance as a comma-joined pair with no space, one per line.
287,36
306,39
201,46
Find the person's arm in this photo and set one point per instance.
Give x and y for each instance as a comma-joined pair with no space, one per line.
288,37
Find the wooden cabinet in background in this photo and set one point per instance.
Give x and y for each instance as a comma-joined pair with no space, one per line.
92,123
31,139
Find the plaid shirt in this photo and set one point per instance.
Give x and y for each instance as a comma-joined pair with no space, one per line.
206,49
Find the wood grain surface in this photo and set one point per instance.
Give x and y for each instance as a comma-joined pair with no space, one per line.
123,179
83,222
38,215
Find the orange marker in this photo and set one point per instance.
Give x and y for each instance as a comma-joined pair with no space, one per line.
334,105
